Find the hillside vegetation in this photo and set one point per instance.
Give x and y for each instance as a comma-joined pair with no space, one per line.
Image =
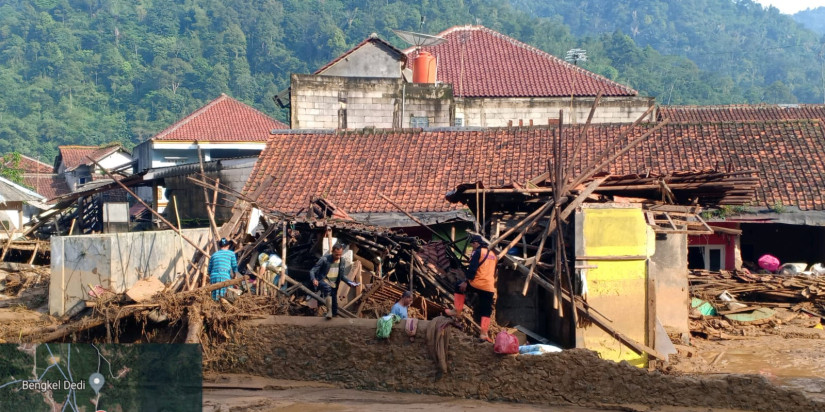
96,71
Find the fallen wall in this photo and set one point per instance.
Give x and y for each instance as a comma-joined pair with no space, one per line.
346,351
115,262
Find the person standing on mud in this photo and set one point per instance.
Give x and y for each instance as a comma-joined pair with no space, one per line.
481,279
222,265
327,274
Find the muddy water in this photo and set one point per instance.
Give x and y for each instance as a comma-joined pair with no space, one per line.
789,362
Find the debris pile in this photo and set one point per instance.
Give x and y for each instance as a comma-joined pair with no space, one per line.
738,303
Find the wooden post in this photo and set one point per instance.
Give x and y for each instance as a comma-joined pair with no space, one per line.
7,245
412,271
34,253
193,334
281,279
180,243
651,308
71,228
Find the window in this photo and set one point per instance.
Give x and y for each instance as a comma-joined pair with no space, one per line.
419,121
708,257
459,120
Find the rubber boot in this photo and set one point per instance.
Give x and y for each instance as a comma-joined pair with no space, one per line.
458,299
485,326
328,302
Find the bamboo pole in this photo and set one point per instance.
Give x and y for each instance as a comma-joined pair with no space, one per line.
538,254
212,226
414,219
527,220
582,135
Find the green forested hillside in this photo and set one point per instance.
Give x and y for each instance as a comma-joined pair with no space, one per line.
96,71
813,19
767,55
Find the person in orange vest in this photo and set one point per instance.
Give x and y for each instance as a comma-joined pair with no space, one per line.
481,279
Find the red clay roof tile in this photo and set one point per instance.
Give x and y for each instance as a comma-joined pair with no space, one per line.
480,62
74,156
222,120
744,112
46,184
30,165
416,168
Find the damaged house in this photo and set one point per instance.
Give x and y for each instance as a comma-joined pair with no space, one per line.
415,168
225,134
787,219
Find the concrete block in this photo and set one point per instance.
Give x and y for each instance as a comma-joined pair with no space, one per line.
115,262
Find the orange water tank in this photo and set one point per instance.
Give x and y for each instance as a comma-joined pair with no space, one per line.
424,68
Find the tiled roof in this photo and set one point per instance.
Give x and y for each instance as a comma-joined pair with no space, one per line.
75,156
416,168
373,38
222,120
29,165
480,62
49,185
743,112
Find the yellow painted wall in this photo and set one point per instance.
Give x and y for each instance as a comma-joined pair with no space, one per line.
617,288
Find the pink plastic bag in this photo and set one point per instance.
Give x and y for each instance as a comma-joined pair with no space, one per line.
769,263
506,344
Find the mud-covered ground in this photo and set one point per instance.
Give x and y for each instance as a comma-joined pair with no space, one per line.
347,354
783,358
244,393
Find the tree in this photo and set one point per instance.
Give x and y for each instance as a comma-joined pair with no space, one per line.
10,167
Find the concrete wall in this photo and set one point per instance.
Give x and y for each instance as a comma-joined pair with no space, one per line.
115,262
319,102
668,270
619,241
370,60
497,112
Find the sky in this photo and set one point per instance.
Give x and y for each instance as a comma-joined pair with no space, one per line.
792,6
